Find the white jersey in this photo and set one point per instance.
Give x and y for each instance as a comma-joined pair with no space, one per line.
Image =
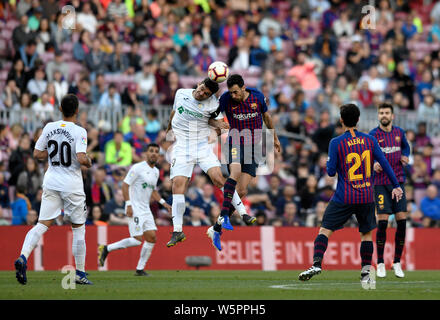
190,121
142,180
63,140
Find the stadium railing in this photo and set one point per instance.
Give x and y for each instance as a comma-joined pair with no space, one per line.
31,120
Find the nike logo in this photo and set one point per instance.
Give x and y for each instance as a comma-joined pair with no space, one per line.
381,140
238,203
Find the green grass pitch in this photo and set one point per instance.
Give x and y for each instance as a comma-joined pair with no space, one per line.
220,285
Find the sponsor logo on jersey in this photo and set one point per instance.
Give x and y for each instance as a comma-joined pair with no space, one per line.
63,125
189,112
146,185
84,140
254,105
390,149
397,139
245,116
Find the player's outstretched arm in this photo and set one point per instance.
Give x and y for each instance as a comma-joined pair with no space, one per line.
171,119
84,159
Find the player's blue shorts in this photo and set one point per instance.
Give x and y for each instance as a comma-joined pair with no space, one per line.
337,214
243,154
385,204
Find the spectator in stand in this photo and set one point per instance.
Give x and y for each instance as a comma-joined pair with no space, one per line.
115,210
325,48
82,47
17,73
304,71
43,108
98,192
31,218
22,34
343,27
96,59
96,217
168,92
11,94
138,140
421,138
146,82
356,58
428,109
197,218
303,35
289,193
153,125
134,59
117,8
271,41
18,159
290,217
57,64
98,88
430,207
405,84
110,99
117,151
230,32
20,207
203,60
38,85
4,193
117,61
87,19
44,41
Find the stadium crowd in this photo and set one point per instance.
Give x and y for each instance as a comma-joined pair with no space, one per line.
307,56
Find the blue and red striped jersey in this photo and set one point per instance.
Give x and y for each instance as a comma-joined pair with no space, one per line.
351,156
393,145
244,115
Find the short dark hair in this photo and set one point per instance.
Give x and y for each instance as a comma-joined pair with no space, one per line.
386,105
69,105
350,114
211,85
151,145
235,79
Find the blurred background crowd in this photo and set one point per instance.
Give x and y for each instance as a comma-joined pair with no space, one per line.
128,58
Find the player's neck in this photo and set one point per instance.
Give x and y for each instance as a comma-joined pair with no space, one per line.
246,95
150,164
70,119
386,128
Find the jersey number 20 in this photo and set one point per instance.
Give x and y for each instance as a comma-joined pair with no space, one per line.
366,157
65,154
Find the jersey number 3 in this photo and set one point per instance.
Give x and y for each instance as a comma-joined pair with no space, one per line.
358,159
65,154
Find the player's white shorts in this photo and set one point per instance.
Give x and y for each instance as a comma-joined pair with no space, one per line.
186,155
139,224
74,205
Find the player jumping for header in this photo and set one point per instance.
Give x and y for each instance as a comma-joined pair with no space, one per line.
246,110
351,156
193,110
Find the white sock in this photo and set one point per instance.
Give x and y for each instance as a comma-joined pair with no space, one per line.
178,209
237,203
32,238
79,247
145,255
124,243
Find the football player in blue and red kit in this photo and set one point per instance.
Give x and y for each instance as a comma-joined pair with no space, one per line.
352,156
245,110
395,146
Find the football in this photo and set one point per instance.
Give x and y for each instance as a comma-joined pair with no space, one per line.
218,71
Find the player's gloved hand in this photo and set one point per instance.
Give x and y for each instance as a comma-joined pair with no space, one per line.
397,194
404,160
377,167
129,211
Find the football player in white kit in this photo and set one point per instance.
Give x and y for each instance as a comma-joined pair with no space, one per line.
138,188
192,111
64,145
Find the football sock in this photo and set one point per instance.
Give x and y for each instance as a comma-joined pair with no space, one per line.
32,238
79,247
400,239
145,255
237,204
178,209
381,239
320,246
228,194
124,243
366,252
